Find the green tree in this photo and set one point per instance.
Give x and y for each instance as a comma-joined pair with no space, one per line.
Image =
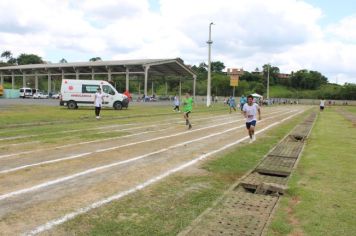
95,59
217,66
348,91
6,54
220,84
25,59
63,61
273,73
305,79
249,77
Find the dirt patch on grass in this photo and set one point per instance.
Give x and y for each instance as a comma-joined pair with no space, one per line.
292,219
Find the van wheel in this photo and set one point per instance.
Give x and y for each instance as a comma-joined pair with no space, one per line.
117,106
72,105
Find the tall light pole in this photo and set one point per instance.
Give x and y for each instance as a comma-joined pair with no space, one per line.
208,93
268,83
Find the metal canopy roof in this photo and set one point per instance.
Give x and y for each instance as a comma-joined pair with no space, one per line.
173,67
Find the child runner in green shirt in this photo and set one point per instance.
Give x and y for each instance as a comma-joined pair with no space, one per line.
188,106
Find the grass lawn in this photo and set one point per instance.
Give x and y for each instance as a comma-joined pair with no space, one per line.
166,208
322,195
47,123
40,114
281,91
351,109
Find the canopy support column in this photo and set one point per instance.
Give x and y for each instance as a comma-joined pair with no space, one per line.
23,79
49,82
92,74
36,80
180,88
62,74
146,79
194,87
12,80
2,79
127,79
109,74
76,73
166,88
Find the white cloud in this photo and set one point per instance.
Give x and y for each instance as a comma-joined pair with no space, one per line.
344,30
247,33
110,10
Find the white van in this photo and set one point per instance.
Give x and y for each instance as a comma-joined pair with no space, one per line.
76,93
27,92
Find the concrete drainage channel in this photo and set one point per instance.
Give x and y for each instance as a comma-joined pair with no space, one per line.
245,209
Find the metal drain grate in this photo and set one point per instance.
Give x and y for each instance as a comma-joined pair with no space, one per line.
241,213
255,179
287,148
273,165
301,130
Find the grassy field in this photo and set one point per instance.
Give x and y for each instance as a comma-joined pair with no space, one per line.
319,201
22,115
281,91
322,195
47,123
168,207
351,109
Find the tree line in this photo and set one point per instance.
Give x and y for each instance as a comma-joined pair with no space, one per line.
300,84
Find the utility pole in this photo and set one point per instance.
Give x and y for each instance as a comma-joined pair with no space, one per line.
208,93
268,83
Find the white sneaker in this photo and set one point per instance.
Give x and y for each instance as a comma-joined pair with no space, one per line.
98,117
253,138
251,141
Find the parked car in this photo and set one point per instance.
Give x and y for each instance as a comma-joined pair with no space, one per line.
27,92
56,96
40,95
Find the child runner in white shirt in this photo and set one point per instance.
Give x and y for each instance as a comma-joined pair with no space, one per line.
250,110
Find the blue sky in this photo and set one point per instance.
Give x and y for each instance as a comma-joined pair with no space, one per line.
334,10
154,5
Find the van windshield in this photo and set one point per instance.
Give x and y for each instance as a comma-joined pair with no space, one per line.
107,89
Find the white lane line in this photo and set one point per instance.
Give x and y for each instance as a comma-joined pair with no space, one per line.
88,142
17,137
158,125
64,158
18,144
108,149
91,170
97,140
76,130
50,224
59,132
86,154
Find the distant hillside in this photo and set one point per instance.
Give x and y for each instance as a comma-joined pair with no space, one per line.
327,91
